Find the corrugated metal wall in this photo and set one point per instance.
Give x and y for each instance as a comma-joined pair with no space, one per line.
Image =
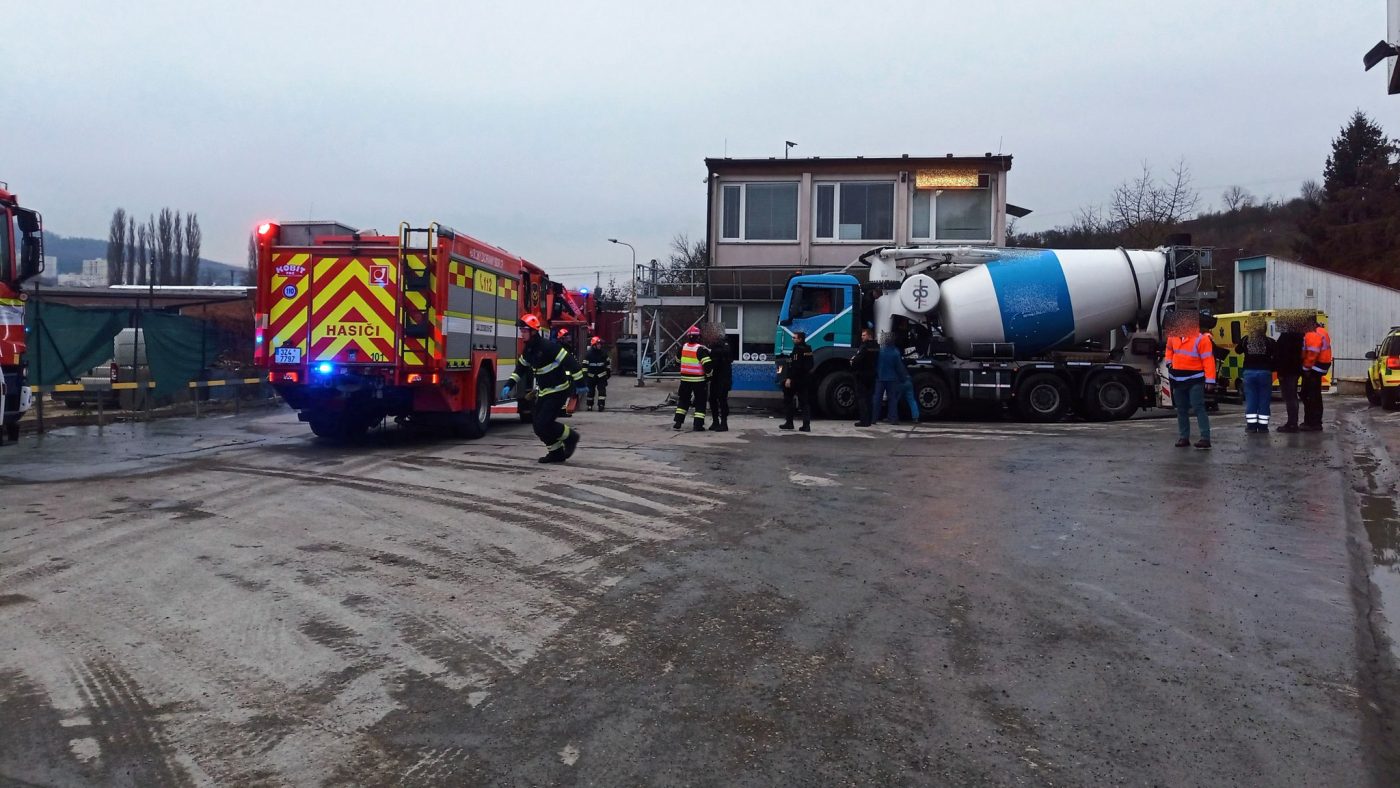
1359,313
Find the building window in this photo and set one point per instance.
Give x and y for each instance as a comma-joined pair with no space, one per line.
954,214
749,329
758,212
1252,287
854,211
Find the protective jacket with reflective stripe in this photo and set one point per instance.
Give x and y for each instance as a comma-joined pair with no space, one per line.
552,368
1191,357
1317,350
695,362
597,363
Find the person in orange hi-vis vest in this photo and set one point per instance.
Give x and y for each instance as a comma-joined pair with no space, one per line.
1317,360
1190,357
695,373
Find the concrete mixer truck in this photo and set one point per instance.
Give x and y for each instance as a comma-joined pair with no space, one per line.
1045,332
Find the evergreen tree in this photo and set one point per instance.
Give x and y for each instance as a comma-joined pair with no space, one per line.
1354,228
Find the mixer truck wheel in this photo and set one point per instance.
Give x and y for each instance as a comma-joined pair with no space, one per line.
933,396
1043,396
836,395
1110,397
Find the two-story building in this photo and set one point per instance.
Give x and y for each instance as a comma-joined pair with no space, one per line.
770,218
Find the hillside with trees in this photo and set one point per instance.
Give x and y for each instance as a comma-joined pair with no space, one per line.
1350,223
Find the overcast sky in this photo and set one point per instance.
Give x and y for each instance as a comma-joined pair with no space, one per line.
548,127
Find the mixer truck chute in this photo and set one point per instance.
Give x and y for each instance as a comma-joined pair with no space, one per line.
1043,331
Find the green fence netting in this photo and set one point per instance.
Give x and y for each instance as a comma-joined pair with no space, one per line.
179,349
67,342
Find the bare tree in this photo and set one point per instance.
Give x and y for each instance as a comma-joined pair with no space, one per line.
142,262
248,276
164,232
132,261
116,247
1312,192
1237,197
177,258
1146,208
686,261
194,236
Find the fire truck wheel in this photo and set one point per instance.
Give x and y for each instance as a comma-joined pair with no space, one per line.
473,424
338,428
12,430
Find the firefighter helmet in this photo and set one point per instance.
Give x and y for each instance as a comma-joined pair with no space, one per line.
693,331
596,341
530,321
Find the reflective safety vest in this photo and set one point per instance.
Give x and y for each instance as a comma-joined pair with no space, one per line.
1191,358
695,362
1317,350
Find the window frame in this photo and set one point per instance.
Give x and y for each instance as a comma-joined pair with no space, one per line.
990,187
743,187
738,331
836,211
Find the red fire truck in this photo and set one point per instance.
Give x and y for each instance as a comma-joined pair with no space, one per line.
21,257
356,326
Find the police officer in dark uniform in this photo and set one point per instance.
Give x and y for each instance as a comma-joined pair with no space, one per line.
555,375
597,369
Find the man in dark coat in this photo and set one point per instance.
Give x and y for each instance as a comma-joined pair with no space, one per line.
797,378
864,365
721,381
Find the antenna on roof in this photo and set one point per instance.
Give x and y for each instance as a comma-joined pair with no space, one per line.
787,146
999,139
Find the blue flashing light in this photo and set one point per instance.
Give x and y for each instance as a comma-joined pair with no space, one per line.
257,340
324,368
583,291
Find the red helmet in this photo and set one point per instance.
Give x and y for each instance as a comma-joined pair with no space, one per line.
530,321
693,331
563,333
596,341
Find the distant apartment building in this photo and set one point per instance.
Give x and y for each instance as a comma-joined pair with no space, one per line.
769,218
94,274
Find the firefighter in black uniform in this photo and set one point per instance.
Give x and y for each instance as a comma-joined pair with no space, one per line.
695,371
555,375
597,369
721,380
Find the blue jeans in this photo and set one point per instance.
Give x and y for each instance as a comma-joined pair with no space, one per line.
1190,396
1258,391
883,387
907,389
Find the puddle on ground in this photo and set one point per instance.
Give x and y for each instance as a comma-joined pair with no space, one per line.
1382,521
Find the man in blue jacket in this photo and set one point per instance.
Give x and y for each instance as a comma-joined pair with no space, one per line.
892,380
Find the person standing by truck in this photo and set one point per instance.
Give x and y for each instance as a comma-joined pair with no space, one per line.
891,378
695,373
797,378
1317,360
1288,365
1259,353
555,374
721,380
1190,358
864,366
597,368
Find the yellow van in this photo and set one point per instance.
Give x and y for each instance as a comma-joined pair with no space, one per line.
1230,329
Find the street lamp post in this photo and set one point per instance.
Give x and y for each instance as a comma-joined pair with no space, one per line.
640,382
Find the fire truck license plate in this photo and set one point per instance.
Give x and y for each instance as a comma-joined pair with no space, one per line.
287,355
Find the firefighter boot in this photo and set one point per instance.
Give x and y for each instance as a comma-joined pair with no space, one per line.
602,404
699,426
555,456
571,443
679,421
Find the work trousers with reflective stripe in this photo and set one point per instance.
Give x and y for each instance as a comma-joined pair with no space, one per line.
691,391
1258,392
598,390
1312,398
1189,396
546,420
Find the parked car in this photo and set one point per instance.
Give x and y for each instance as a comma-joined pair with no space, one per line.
1383,376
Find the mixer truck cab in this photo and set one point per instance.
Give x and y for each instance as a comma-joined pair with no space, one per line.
1041,331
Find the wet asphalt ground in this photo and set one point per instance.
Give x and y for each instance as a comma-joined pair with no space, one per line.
229,601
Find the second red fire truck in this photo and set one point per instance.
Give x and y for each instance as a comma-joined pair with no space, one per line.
356,326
